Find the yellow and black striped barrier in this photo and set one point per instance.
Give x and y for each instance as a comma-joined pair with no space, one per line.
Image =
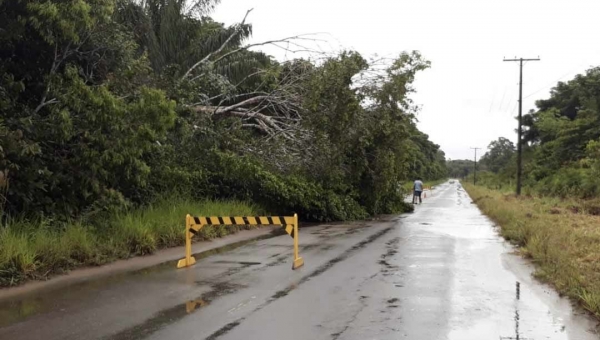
193,224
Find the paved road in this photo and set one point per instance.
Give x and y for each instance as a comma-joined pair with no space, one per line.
438,273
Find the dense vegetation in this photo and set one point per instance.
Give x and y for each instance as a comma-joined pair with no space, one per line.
110,106
461,168
561,154
111,103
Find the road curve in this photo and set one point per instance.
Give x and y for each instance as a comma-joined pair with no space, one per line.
438,273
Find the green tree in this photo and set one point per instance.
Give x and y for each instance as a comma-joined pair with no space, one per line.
499,154
109,103
560,139
460,168
72,140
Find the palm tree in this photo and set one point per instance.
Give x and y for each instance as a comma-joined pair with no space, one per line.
185,45
178,33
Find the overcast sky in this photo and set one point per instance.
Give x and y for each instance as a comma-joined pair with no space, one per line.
469,96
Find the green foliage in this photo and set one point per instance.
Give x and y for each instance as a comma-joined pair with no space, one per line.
246,179
174,36
460,168
70,143
426,160
365,150
500,153
110,135
570,182
561,142
98,119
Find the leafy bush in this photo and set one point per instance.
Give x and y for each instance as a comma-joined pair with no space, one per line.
242,178
570,182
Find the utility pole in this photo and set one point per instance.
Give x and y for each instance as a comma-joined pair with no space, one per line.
475,166
520,130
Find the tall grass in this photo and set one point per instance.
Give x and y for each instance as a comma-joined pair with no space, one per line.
38,249
561,236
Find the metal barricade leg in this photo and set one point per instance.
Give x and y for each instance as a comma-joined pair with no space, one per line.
189,259
298,261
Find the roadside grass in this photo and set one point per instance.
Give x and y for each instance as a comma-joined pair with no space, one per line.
561,236
39,249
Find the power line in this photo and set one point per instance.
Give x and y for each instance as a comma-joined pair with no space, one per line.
502,101
491,104
510,108
520,129
554,81
514,108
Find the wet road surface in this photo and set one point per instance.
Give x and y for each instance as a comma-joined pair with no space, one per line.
438,273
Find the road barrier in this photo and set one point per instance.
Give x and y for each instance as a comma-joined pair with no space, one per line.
425,188
193,225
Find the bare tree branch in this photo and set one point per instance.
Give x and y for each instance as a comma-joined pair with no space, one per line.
276,114
208,100
218,109
269,42
267,113
236,31
249,76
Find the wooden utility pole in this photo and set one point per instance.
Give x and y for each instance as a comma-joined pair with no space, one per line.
520,130
475,166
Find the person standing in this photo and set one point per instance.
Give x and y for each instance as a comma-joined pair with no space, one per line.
417,190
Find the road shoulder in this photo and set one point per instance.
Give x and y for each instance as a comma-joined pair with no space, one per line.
134,263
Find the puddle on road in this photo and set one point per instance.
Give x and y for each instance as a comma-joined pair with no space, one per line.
19,308
500,299
487,293
169,316
230,271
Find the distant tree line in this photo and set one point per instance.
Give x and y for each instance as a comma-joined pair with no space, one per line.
459,168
